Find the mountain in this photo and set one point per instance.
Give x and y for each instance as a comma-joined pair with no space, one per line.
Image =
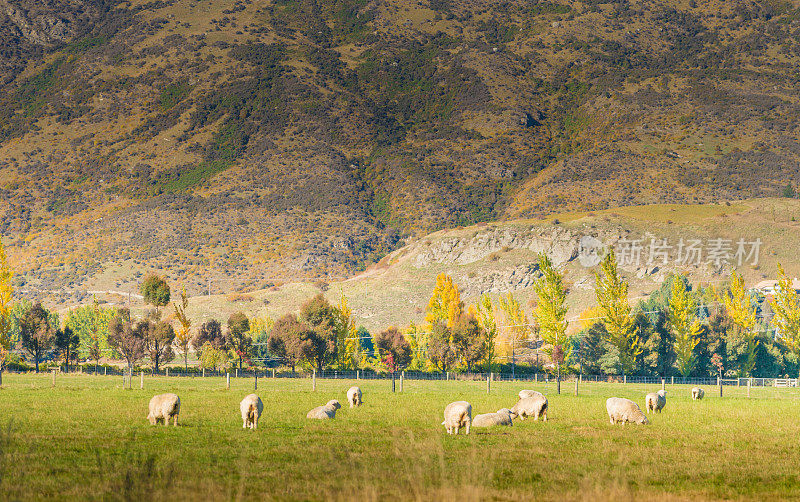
235,145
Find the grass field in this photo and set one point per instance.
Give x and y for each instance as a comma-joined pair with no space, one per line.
89,439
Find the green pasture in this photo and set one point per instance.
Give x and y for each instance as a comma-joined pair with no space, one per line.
88,438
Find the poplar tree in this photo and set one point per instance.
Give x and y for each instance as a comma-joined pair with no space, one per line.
6,303
486,317
742,314
182,335
786,308
550,314
445,304
517,321
685,326
615,313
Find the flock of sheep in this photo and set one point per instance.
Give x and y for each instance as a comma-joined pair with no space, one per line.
457,415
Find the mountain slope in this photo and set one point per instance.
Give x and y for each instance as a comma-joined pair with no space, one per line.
251,142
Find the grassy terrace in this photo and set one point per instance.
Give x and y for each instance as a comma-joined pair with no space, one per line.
88,438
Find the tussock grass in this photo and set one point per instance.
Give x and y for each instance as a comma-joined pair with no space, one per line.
88,439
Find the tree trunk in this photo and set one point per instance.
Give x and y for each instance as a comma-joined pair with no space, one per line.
36,361
558,378
186,359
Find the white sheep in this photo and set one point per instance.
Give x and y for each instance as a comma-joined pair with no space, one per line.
534,406
326,411
251,407
655,401
457,414
624,410
698,393
164,407
530,393
501,417
354,396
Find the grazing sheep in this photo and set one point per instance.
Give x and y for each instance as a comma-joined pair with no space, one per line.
698,393
354,396
251,407
501,417
325,412
456,415
535,406
530,393
164,407
624,410
655,401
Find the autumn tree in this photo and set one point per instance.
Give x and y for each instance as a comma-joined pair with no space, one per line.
684,325
441,352
285,339
318,345
6,304
158,337
445,304
394,349
743,342
155,291
347,342
238,338
210,332
469,340
550,314
90,323
615,313
517,328
786,308
66,343
125,339
183,337
486,316
37,332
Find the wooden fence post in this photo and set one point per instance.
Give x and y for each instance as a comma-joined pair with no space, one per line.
53,372
273,372
204,372
749,383
227,380
576,385
402,380
166,372
141,379
392,381
314,380
358,374
255,382
719,382
663,383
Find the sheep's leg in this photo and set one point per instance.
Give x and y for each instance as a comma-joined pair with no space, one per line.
468,424
544,416
611,419
176,420
255,423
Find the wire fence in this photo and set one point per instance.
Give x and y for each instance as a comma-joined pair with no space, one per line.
194,372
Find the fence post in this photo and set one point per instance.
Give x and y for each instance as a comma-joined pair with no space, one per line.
237,372
536,377
663,383
273,372
447,375
719,382
204,372
227,380
53,372
624,378
1,377
358,374
255,384
402,380
314,380
392,381
488,383
749,383
105,371
166,372
576,385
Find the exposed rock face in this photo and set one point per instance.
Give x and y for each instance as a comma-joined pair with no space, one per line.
501,281
41,29
560,244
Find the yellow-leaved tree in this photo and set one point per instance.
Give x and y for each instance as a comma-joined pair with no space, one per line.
786,306
742,314
486,318
516,329
182,336
615,313
685,327
348,353
6,301
550,314
445,305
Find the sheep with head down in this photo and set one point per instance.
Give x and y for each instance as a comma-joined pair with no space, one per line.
697,393
655,401
624,410
530,393
164,407
251,408
534,406
326,411
456,415
354,396
500,417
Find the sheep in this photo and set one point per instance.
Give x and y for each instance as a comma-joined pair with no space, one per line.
501,417
457,414
698,393
535,406
655,401
325,412
354,396
624,410
530,393
164,407
251,407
